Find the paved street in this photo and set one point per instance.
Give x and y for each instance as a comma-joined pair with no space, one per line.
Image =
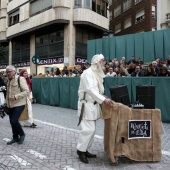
52,145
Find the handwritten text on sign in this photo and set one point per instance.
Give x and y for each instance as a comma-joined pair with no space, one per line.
139,129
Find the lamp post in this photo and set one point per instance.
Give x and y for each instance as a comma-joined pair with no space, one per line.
108,34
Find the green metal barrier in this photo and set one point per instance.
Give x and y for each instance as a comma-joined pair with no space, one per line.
148,46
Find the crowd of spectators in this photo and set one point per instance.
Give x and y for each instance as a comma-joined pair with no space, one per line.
122,68
114,68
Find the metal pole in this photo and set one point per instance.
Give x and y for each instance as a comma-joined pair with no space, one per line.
36,69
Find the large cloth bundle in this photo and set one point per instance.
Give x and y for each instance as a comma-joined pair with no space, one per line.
116,120
26,117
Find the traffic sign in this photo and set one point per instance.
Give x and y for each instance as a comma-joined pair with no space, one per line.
36,59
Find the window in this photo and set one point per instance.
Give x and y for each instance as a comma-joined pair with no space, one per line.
14,18
56,36
117,28
21,49
117,11
100,6
110,2
137,1
78,3
110,15
153,11
82,36
39,6
140,16
50,45
127,5
168,16
87,4
4,61
127,22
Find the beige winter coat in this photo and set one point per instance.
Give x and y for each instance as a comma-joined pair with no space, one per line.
20,93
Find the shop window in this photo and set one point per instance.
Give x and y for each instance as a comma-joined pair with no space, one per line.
4,61
14,18
82,36
50,45
21,50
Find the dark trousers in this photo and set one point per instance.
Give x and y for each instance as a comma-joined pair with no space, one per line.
14,114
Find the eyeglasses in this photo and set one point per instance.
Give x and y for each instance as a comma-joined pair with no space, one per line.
8,72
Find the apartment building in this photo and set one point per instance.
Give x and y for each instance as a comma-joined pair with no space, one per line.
134,16
55,31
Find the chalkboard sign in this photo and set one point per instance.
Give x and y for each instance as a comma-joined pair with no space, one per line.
139,129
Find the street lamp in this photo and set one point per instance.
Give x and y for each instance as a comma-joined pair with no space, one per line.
108,34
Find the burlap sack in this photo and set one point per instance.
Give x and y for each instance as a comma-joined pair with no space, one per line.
24,114
116,126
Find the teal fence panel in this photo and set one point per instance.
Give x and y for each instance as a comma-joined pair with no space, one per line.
99,49
105,47
64,86
45,90
36,89
91,46
120,47
159,44
149,48
54,91
109,82
130,46
162,94
139,45
74,85
112,48
166,34
68,91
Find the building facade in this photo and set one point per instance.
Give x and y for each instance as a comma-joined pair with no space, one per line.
55,31
134,16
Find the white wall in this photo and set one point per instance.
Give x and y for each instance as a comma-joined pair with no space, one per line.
163,7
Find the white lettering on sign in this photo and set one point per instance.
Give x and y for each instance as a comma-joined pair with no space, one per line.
81,60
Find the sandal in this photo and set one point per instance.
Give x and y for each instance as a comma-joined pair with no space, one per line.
33,125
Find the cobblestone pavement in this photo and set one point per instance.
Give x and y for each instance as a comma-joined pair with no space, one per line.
52,145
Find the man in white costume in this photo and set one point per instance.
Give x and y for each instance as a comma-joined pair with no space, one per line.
90,97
